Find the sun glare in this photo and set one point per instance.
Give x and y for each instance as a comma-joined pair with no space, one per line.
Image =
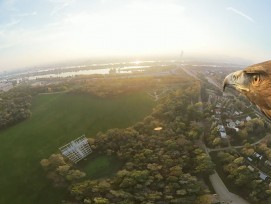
137,29
137,62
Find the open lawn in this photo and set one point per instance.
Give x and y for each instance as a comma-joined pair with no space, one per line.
99,166
56,119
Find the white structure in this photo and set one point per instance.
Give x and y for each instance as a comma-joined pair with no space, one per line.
77,149
248,118
222,131
223,135
249,159
262,175
255,154
221,128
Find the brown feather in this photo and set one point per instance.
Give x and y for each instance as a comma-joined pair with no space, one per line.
264,67
266,112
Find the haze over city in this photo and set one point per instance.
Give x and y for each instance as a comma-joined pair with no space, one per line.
40,32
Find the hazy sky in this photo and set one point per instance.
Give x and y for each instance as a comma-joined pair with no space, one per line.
34,32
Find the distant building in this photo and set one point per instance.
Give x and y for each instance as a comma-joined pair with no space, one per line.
223,135
255,154
262,175
248,118
231,125
267,163
222,131
237,122
249,159
221,128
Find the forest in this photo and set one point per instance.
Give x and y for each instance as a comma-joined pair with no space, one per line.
14,106
166,166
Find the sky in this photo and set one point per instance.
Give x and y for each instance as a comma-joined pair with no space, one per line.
36,32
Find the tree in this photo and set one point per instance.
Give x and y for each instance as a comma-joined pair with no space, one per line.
74,175
239,160
63,170
217,141
100,200
204,199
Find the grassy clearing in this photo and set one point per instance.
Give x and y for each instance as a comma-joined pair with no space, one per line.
100,166
57,119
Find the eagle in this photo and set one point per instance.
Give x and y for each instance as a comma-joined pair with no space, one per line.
255,83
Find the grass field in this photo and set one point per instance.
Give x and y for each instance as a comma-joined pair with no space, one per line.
99,166
56,119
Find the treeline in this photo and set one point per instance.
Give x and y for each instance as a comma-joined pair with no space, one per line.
113,86
164,166
253,129
14,106
247,180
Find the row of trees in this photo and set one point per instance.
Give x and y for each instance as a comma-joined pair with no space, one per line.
159,166
14,106
253,129
236,169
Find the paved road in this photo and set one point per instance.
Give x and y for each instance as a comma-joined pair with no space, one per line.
238,147
224,194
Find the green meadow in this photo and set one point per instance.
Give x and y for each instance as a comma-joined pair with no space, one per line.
99,166
57,119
